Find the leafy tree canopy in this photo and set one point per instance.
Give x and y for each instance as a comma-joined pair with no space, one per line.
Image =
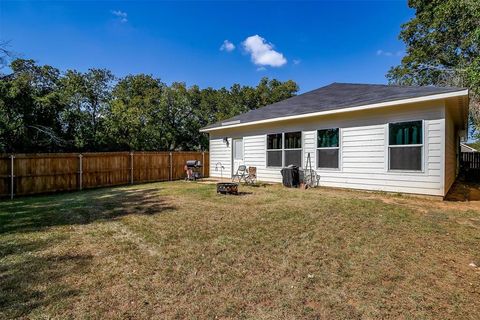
45,110
442,48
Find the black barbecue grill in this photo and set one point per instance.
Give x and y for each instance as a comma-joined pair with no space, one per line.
193,170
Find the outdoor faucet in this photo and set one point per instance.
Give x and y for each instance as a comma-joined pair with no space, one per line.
221,169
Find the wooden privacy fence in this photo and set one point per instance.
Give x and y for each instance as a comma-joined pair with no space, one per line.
470,166
25,174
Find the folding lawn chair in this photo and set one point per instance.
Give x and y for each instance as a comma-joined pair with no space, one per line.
252,175
241,174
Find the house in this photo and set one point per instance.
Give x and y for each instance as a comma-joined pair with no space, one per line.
362,136
466,148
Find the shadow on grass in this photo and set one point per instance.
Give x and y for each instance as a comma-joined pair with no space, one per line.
39,212
33,282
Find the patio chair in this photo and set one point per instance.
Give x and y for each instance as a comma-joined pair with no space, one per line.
252,175
241,174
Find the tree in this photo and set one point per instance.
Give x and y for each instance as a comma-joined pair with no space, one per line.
443,48
133,117
30,105
98,85
74,117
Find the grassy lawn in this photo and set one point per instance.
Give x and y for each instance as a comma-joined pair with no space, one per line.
178,250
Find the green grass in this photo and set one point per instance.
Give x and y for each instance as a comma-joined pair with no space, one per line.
178,250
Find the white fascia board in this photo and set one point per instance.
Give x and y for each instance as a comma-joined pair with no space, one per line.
358,108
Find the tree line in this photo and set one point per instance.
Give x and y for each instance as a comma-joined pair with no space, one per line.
45,110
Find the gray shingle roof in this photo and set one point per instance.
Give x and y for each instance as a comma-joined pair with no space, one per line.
335,96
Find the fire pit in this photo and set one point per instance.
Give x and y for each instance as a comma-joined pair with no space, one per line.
227,188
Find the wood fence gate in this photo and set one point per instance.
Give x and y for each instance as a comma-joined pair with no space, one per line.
470,166
25,174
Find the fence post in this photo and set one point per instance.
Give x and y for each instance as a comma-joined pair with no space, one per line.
170,178
131,167
80,171
203,164
11,177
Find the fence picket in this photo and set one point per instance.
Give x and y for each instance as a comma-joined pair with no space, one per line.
470,166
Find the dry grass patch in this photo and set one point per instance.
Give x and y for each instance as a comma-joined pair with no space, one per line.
178,250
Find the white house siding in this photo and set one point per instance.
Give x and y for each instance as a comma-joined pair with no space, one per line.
220,155
450,151
364,148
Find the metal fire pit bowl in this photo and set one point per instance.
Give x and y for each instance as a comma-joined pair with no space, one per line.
227,188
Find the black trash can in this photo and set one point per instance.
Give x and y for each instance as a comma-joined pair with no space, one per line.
291,177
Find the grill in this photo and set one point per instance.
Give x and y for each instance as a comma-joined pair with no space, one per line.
192,170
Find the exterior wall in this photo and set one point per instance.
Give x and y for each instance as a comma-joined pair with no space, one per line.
451,140
220,155
363,148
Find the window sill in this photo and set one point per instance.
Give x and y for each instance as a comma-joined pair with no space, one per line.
405,171
328,169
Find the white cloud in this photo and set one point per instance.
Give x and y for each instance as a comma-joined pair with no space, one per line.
261,69
296,61
121,15
389,53
262,53
227,46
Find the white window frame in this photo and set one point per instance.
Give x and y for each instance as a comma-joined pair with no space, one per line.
266,150
326,148
422,150
283,149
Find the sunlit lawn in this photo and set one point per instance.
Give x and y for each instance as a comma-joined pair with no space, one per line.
178,250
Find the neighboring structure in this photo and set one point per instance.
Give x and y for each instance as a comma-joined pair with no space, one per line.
466,148
373,137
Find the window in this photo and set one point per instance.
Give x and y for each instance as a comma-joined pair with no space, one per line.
405,145
328,148
284,149
274,150
293,149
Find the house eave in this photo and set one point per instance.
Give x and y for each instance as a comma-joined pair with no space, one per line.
357,108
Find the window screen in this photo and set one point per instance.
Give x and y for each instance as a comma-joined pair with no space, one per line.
274,158
406,158
327,158
405,145
293,157
328,148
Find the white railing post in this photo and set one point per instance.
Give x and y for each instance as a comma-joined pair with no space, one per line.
131,167
12,187
80,171
171,166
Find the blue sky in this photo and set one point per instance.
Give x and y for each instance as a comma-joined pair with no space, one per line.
313,43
